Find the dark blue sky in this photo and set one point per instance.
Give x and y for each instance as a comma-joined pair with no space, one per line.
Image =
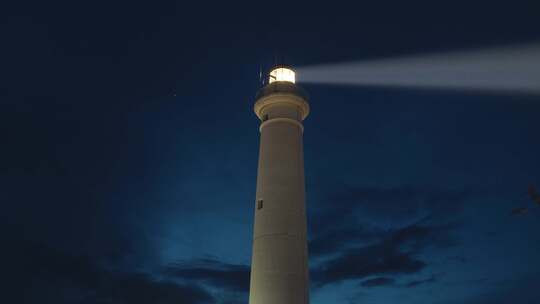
129,152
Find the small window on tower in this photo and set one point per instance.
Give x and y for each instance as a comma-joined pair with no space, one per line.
265,117
259,204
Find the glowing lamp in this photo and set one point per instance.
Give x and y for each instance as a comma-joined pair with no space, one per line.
282,74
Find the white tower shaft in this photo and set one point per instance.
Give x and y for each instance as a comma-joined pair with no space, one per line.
279,269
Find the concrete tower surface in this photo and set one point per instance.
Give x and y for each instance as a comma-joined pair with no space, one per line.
279,264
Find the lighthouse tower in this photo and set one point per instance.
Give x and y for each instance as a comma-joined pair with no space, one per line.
279,264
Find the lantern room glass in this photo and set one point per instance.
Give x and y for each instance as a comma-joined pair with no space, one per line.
282,74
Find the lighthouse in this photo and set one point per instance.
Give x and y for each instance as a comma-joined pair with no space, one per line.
279,264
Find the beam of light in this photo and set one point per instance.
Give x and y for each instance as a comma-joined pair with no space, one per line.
511,69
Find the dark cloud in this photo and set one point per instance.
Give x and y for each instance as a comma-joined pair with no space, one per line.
395,254
139,288
376,282
41,274
355,212
364,262
416,283
352,249
332,241
222,275
386,281
393,203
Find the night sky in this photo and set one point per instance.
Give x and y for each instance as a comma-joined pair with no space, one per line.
129,149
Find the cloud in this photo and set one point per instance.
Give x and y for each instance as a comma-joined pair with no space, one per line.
394,203
348,243
218,274
364,262
46,275
395,255
140,288
386,281
332,241
376,282
351,251
356,214
416,283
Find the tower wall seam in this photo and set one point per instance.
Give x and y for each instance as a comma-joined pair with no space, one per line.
289,120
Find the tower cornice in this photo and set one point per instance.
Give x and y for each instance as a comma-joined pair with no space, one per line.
277,98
